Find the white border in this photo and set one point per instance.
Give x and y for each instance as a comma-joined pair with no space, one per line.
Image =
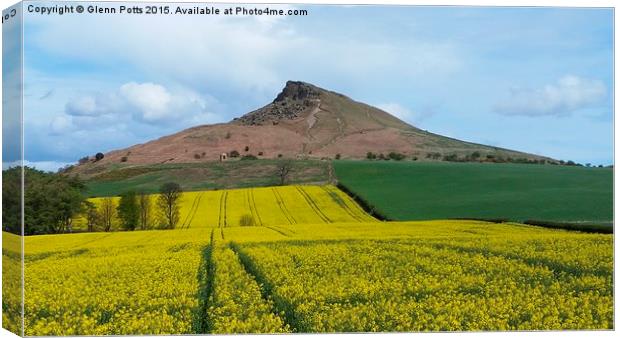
504,3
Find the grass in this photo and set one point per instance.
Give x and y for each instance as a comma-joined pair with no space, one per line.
202,176
518,192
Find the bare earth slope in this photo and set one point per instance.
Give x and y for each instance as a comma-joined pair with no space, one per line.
303,121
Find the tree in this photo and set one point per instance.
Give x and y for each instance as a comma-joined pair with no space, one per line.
99,156
128,211
11,200
283,170
169,204
91,214
107,211
144,210
50,201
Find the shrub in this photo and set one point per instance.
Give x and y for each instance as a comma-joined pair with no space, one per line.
246,220
99,157
279,155
234,153
197,156
260,153
84,160
124,159
247,148
396,156
451,157
249,157
370,155
337,156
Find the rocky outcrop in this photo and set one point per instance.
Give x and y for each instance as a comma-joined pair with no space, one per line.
295,98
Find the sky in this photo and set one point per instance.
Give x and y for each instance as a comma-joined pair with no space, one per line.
537,80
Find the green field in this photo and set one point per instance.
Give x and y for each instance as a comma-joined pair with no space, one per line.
115,180
519,192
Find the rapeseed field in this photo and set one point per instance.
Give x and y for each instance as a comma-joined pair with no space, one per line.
312,262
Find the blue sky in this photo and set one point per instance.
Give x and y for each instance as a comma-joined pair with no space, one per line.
532,79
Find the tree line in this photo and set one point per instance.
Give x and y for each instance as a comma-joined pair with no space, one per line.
52,202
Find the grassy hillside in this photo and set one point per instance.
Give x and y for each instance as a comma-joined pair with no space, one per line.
118,178
416,191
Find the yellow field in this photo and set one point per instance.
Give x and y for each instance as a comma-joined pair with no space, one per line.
344,272
266,206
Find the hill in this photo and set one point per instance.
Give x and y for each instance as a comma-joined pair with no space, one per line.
518,192
303,121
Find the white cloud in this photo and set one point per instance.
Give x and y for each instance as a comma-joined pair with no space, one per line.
404,113
61,124
83,106
569,94
250,54
150,99
142,102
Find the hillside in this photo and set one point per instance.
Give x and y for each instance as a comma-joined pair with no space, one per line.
303,121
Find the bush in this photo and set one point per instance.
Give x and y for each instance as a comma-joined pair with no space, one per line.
396,156
370,155
247,148
260,153
84,159
99,157
583,227
124,159
249,157
197,156
434,156
234,153
246,220
279,155
450,158
337,156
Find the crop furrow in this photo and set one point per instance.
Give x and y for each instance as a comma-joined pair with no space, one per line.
281,305
253,203
342,204
195,210
283,208
313,205
205,289
279,231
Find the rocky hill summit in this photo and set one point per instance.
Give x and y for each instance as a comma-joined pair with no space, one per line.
296,97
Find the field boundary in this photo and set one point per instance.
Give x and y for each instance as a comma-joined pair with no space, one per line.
581,227
365,205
